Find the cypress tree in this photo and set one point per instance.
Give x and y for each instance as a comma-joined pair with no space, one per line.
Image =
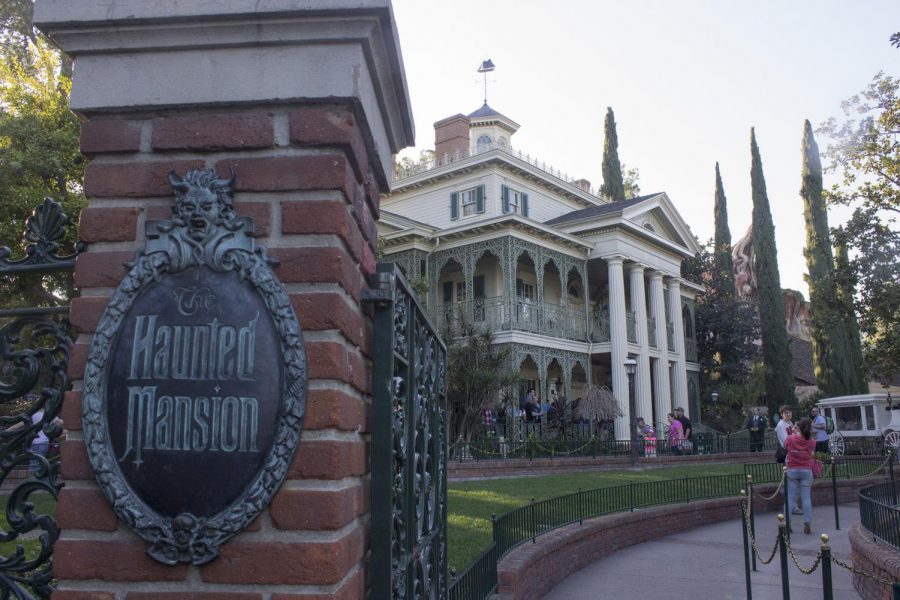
844,291
834,372
723,278
775,349
613,184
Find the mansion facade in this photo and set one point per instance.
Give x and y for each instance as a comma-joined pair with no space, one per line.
573,283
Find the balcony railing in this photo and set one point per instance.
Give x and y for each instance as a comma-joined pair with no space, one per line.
501,313
446,159
631,326
600,325
651,332
690,349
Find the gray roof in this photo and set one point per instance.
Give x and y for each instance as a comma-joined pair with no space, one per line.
485,111
596,211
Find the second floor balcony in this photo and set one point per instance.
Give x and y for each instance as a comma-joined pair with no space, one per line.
503,313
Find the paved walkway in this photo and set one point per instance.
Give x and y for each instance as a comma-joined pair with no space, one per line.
708,562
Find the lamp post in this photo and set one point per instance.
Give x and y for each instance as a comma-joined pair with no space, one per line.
630,367
715,395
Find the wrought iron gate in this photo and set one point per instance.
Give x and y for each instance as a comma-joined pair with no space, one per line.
34,358
409,445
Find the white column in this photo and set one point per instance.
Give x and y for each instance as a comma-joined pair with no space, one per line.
679,377
617,341
643,399
661,368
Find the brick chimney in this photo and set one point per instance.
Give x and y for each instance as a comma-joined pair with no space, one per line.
582,184
451,135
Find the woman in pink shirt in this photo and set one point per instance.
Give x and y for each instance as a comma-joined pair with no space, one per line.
676,434
800,447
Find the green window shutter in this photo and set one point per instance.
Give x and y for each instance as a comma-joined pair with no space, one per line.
448,292
504,193
454,206
524,205
478,286
479,199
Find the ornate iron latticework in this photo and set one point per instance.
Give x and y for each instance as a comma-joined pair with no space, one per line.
34,343
409,446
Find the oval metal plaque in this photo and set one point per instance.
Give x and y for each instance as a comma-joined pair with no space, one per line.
195,386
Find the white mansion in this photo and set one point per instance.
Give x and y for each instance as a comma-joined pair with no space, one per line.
572,282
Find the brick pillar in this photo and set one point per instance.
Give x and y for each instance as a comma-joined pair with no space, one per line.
307,107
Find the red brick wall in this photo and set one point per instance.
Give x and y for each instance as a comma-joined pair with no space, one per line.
303,174
451,135
875,558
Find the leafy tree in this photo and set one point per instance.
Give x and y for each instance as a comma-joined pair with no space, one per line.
775,349
407,166
864,150
722,272
630,182
613,183
727,327
39,156
831,348
477,373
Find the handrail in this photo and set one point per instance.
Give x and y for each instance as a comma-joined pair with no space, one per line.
879,511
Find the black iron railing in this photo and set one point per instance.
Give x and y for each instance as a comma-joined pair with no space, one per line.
527,522
879,511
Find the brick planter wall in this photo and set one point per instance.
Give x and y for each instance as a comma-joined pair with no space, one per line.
531,570
875,558
520,467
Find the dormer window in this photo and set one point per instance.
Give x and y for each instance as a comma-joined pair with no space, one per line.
514,201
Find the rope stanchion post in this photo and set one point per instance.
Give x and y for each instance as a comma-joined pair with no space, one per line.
744,499
782,549
827,593
752,516
837,517
787,500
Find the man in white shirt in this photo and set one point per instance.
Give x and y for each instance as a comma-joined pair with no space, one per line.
783,429
820,429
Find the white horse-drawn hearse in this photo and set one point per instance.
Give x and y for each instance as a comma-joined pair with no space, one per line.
862,423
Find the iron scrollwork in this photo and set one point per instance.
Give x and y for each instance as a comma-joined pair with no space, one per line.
409,489
203,233
34,351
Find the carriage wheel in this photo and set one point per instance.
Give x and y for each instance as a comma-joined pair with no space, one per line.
836,443
892,441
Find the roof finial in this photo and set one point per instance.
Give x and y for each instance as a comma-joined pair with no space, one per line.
486,67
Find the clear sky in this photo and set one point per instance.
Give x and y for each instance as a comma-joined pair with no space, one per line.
687,79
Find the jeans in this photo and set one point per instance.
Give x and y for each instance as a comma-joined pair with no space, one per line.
800,480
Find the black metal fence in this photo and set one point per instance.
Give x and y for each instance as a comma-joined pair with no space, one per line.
879,511
527,522
34,357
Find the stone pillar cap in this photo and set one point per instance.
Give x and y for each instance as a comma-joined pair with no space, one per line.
134,54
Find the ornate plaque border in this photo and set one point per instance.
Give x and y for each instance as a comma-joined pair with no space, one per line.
173,246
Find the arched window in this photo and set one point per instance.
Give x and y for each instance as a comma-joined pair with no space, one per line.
649,226
483,142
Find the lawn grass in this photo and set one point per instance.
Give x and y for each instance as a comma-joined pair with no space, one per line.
470,503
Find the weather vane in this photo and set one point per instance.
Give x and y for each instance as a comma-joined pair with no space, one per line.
486,67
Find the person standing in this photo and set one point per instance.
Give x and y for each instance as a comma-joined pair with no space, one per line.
820,428
783,429
756,424
800,447
688,443
676,435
